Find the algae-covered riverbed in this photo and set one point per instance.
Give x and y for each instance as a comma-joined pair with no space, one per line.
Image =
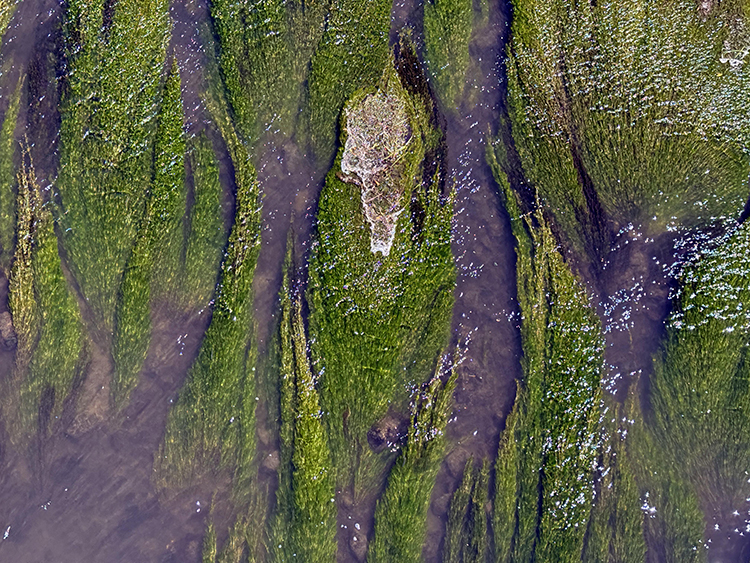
444,280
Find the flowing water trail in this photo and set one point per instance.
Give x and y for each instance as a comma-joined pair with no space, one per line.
485,317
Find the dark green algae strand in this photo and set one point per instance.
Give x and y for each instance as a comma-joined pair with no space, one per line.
109,115
401,512
630,112
544,470
378,321
153,260
304,526
214,416
447,30
8,152
466,532
51,351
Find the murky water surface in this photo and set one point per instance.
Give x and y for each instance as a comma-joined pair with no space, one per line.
91,496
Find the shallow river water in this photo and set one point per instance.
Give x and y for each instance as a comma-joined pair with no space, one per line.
91,497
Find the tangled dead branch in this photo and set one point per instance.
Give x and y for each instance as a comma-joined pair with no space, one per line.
378,134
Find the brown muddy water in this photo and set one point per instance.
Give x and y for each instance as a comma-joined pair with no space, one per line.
87,493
